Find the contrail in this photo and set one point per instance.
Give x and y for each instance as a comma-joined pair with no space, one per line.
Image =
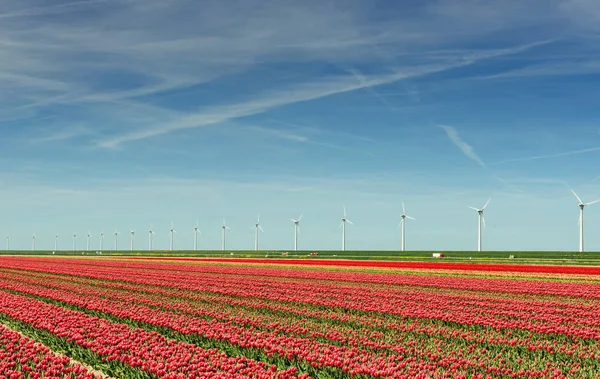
467,150
574,152
55,9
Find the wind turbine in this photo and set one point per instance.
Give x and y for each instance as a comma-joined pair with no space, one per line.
258,227
224,228
87,242
403,218
74,242
116,240
132,238
196,231
7,243
150,234
581,206
101,241
172,232
343,226
481,219
296,231
55,242
33,242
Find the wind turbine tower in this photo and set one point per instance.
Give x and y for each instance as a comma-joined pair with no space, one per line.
296,231
481,220
172,236
33,242
343,226
74,242
116,240
132,238
581,206
224,228
150,234
55,242
196,231
101,241
87,242
402,224
258,228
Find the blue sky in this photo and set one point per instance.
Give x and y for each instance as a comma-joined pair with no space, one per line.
119,114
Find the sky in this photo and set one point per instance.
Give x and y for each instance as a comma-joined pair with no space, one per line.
135,114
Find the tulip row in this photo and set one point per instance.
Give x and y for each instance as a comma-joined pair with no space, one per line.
363,324
21,357
354,337
536,316
279,330
253,311
145,354
556,269
177,274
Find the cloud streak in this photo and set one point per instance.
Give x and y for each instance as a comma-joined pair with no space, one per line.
302,93
466,149
548,156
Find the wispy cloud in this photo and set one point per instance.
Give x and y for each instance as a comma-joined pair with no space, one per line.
53,9
61,135
547,156
469,152
466,149
291,136
300,93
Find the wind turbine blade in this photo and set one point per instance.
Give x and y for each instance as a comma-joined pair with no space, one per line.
412,218
300,218
261,229
349,222
475,209
342,223
483,219
403,208
581,202
294,220
592,202
486,204
344,210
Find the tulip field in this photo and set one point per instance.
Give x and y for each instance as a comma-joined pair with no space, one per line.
233,318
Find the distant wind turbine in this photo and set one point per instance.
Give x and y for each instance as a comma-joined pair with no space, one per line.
224,228
132,238
258,227
150,234
55,242
87,242
481,219
343,226
581,206
172,236
33,242
74,242
402,224
196,231
102,241
296,231
116,240
7,243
